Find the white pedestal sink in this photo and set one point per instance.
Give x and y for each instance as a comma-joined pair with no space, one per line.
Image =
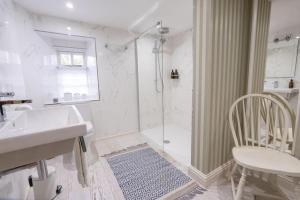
33,136
29,136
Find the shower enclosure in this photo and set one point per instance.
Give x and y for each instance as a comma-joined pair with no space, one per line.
156,91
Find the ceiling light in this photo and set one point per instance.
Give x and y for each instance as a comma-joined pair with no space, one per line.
69,28
298,37
69,5
6,22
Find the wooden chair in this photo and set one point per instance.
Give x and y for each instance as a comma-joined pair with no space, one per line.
292,116
260,151
287,106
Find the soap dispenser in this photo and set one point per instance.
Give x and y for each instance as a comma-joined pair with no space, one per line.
176,74
172,74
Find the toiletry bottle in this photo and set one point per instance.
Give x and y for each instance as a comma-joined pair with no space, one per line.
172,74
176,74
291,83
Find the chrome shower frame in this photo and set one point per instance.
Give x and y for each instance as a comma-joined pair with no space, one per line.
159,60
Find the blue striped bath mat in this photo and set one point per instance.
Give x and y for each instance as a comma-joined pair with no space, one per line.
144,174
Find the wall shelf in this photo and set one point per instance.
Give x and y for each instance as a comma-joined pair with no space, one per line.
285,92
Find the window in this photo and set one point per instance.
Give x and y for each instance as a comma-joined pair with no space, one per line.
72,81
71,59
69,68
77,59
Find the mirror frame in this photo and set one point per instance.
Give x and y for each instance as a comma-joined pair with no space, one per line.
294,67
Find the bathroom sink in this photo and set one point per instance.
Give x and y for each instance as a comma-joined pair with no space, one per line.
32,135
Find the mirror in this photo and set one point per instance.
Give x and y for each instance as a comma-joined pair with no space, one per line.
282,59
282,69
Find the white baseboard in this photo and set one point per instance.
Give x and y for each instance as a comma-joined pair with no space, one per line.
207,179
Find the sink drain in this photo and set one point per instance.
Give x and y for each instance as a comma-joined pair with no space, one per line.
166,141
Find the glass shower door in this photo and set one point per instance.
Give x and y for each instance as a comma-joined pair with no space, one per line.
151,89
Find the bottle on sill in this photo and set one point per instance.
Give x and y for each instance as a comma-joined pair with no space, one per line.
291,83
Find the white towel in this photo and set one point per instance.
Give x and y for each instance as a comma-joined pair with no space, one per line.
81,164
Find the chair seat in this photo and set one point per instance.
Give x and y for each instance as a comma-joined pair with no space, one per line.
267,160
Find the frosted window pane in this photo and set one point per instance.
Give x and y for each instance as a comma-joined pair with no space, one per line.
70,81
77,59
65,59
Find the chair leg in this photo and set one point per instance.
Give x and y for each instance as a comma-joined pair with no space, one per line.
241,185
297,187
273,179
232,171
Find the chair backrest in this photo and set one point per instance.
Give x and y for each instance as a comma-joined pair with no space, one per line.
248,127
286,104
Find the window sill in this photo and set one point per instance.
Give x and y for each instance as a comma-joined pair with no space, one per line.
72,67
72,102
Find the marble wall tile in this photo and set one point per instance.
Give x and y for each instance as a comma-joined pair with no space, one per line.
10,58
116,112
22,68
180,90
177,92
150,92
25,59
116,68
16,57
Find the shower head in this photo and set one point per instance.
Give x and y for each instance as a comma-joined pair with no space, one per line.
162,29
157,45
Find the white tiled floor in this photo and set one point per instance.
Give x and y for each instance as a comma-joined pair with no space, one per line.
104,186
180,141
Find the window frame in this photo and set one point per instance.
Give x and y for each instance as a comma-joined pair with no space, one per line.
94,41
72,53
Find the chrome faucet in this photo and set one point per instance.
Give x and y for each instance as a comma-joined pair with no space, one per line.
8,102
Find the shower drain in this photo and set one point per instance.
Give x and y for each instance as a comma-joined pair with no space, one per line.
166,141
